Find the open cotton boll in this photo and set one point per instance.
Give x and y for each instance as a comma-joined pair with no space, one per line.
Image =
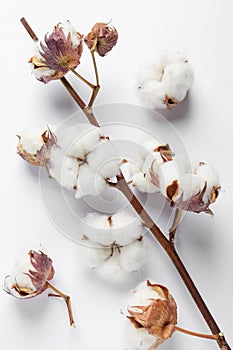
120,228
64,169
157,314
104,159
133,256
209,174
167,58
153,95
97,256
168,179
138,338
141,181
19,274
142,295
78,140
31,141
166,81
183,164
89,183
126,228
177,80
152,144
96,228
29,277
191,185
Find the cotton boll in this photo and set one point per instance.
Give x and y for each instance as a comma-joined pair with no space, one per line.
168,176
79,139
151,70
97,228
142,183
125,228
152,144
138,338
19,273
104,159
142,295
177,80
89,183
153,95
209,174
191,185
167,58
183,164
133,256
31,142
133,168
97,256
64,169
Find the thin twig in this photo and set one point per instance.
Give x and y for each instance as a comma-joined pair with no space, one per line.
97,87
85,81
195,334
66,299
176,221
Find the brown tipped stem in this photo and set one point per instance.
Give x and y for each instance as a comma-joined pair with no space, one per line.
66,299
28,29
195,334
176,221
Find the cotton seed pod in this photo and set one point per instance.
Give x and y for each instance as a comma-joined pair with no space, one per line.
30,275
152,312
36,149
165,82
61,51
116,243
102,38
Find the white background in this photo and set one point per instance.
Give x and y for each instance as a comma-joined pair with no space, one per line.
203,30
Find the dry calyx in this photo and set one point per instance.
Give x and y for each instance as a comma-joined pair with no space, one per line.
31,276
152,312
61,50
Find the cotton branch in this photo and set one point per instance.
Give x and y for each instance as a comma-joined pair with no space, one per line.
122,186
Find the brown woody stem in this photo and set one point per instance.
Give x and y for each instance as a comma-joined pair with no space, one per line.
28,29
176,221
147,220
66,299
195,334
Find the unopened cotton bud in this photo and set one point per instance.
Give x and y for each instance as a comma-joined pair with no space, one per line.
102,38
165,82
60,53
30,275
152,311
